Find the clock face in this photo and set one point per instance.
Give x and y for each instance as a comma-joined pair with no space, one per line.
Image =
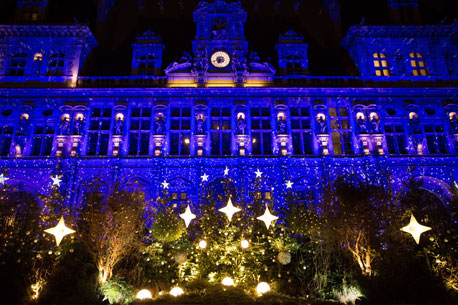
220,59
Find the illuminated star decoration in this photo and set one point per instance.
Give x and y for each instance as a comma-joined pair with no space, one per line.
204,177
3,179
258,173
187,216
267,217
226,171
60,231
229,210
165,185
415,229
56,180
289,184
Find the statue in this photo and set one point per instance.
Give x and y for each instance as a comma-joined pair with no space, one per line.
186,58
241,125
200,125
361,124
36,67
254,57
78,126
159,124
454,123
201,63
281,125
239,60
118,126
64,127
322,125
414,125
23,127
375,125
219,29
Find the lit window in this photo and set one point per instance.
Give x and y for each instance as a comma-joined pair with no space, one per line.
301,129
221,136
180,131
340,130
56,64
139,131
261,131
417,62
381,64
99,131
17,64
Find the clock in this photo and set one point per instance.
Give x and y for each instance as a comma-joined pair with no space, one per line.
220,59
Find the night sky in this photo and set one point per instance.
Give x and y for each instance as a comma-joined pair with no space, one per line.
266,20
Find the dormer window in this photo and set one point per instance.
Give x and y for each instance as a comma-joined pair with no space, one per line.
17,64
294,64
381,64
417,62
56,64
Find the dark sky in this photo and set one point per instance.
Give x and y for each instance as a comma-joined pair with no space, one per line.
266,20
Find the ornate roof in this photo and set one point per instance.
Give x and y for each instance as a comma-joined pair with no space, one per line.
219,6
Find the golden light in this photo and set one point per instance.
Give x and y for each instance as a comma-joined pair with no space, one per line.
186,141
267,218
227,281
415,229
119,115
229,210
202,244
60,231
413,115
176,291
244,244
187,216
79,116
144,294
262,288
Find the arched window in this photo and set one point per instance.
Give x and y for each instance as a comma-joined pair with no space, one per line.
417,62
17,64
381,64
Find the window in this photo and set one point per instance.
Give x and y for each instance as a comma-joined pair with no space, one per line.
381,64
340,130
180,131
221,136
435,138
293,64
99,131
6,136
56,64
261,131
17,64
42,141
146,63
417,62
301,130
139,132
395,139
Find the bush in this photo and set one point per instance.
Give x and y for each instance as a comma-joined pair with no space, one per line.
117,291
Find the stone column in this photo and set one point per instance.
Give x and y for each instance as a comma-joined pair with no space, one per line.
323,139
242,142
159,141
200,141
117,141
61,140
283,140
75,140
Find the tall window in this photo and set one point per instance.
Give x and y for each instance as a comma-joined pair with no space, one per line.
56,64
6,137
395,139
301,130
435,138
417,62
340,130
381,64
261,131
146,63
42,142
221,137
139,132
293,64
180,131
99,131
17,64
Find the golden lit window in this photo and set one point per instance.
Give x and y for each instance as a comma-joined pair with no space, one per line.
417,62
381,64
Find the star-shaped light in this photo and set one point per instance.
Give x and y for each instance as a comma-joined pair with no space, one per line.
204,177
415,229
267,217
3,179
229,210
60,231
289,184
258,173
187,216
226,171
165,185
56,180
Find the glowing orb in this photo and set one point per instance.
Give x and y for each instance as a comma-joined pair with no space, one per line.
176,291
227,281
262,288
203,244
244,244
144,294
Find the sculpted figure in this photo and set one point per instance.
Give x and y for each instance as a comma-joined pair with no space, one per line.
323,128
241,125
281,125
118,126
64,127
454,123
361,124
200,125
375,125
159,124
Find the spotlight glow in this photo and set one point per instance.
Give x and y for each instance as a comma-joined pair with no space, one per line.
176,291
203,244
244,244
144,294
227,281
262,288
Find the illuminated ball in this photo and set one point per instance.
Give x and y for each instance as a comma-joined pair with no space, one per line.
262,288
176,291
203,244
227,281
180,257
284,257
144,294
244,244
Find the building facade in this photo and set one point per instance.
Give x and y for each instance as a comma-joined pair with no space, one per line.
223,112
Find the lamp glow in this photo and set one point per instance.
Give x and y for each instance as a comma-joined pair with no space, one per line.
244,244
144,294
203,244
262,288
227,281
176,291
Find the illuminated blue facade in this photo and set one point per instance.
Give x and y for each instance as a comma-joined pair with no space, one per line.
221,106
